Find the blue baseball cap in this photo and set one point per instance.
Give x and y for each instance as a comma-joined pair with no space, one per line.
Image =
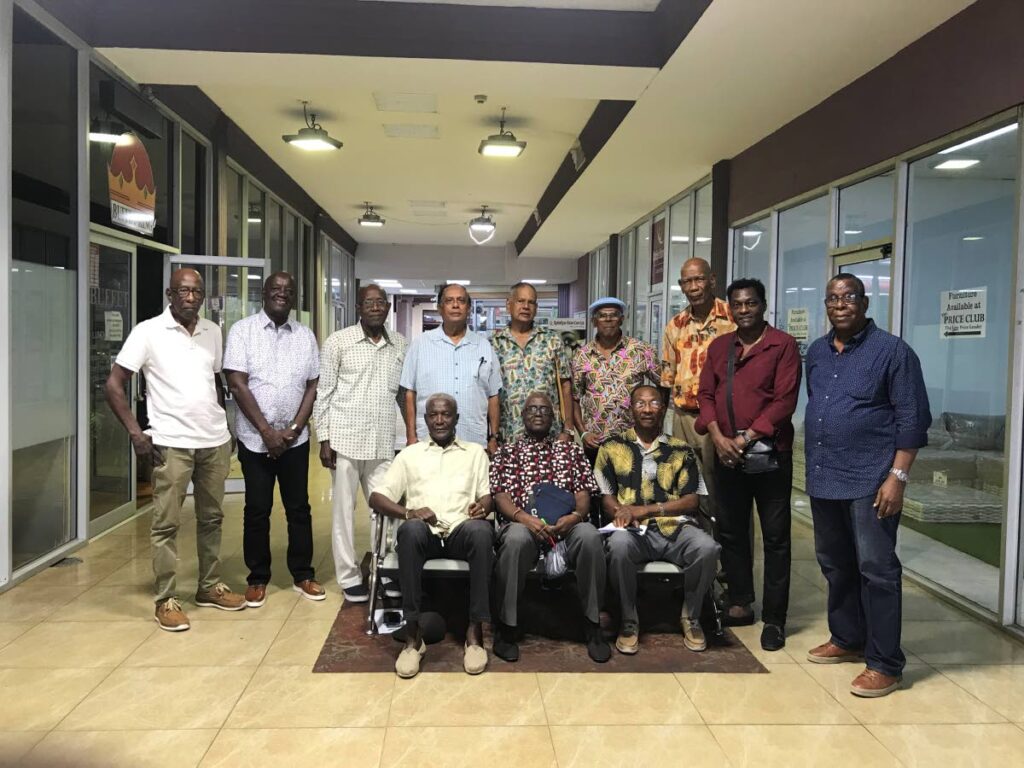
607,301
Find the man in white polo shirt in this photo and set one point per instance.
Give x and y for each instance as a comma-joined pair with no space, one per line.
188,440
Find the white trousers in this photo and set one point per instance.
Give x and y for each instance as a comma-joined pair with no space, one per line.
348,476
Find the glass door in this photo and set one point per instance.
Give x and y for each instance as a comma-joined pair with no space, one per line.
874,267
234,289
111,316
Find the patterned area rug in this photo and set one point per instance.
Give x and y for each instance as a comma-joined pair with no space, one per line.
553,639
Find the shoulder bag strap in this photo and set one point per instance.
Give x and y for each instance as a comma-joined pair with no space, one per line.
728,387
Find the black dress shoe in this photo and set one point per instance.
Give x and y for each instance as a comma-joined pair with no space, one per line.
773,637
743,620
505,646
597,647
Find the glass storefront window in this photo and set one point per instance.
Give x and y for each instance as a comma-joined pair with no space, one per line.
961,252
291,245
702,235
752,251
275,249
866,210
234,189
43,301
624,290
256,226
678,251
642,279
193,195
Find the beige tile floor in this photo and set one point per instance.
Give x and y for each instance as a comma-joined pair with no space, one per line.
87,679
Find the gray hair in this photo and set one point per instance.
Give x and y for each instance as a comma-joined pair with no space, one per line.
443,396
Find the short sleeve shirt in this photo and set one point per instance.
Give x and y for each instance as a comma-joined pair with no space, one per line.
279,360
602,383
181,397
684,350
519,466
537,367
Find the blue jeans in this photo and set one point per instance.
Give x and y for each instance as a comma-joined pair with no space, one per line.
857,555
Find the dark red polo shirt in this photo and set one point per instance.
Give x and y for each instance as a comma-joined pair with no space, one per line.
765,386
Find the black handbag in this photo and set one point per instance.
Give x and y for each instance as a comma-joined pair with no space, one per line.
759,456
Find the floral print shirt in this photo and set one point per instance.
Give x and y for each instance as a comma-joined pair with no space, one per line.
684,349
518,467
602,383
537,367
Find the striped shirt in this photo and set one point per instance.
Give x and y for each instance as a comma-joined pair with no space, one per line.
468,371
355,400
278,360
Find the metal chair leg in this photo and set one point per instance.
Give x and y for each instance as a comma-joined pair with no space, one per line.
376,559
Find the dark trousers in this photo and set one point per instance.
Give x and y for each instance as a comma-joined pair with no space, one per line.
692,550
518,551
291,470
472,541
857,555
737,493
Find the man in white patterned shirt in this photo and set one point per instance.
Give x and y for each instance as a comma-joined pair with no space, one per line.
355,420
272,365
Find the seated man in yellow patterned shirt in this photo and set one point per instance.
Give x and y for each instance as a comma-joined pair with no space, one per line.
651,484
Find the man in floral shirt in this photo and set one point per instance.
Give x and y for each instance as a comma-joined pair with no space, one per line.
516,470
604,372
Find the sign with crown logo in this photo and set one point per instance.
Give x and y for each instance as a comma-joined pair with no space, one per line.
132,186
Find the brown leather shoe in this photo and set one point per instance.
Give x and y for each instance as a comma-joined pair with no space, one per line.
872,684
693,635
170,617
310,589
830,653
628,641
221,597
255,595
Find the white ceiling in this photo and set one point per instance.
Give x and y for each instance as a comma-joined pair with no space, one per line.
746,69
407,179
574,5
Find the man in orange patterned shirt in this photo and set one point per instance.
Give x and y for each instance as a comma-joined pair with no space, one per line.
684,349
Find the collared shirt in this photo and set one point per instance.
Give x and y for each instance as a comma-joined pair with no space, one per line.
355,399
766,385
447,480
537,367
523,464
602,383
684,349
279,361
862,406
181,395
468,371
665,471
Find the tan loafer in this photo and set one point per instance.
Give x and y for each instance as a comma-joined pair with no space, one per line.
872,684
474,660
693,635
628,643
408,663
830,653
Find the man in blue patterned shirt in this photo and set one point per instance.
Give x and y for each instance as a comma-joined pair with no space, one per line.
867,416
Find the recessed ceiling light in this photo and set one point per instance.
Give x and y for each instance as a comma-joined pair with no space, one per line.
680,239
853,231
979,139
534,282
312,138
973,238
751,232
703,239
956,165
457,282
503,143
370,218
254,277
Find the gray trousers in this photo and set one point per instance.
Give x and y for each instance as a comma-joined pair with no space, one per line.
692,550
517,555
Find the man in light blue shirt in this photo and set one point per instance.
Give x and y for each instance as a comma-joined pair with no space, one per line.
456,361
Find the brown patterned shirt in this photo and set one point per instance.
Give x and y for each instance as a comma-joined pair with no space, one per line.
684,349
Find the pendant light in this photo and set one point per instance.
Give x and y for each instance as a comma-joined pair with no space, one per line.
482,228
371,218
313,137
503,143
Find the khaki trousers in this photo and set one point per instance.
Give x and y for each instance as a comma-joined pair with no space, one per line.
682,427
206,469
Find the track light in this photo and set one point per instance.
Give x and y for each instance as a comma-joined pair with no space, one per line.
503,143
371,218
312,138
482,228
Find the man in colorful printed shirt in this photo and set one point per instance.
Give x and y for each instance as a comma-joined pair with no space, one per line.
651,484
532,359
684,351
518,468
604,371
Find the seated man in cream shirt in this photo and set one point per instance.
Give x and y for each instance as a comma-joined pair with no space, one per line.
445,486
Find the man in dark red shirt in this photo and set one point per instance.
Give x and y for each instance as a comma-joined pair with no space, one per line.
765,384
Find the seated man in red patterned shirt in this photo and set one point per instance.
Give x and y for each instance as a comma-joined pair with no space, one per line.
517,469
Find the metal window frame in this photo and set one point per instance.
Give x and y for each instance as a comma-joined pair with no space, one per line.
6,245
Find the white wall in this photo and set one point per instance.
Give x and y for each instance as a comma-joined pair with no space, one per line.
482,265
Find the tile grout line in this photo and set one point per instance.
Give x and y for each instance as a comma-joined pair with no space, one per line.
895,757
547,721
387,721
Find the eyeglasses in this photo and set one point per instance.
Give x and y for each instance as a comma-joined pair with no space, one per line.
375,303
647,404
185,292
538,410
848,299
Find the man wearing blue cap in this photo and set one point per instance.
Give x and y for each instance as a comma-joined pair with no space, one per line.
604,371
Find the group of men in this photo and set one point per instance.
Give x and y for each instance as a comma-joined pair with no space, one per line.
519,427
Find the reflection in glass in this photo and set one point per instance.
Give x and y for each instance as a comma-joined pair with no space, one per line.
678,252
875,274
866,210
624,276
234,185
642,279
752,250
961,237
193,195
256,223
702,236
275,249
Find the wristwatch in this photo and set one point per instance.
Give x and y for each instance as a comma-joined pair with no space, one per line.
900,475
294,427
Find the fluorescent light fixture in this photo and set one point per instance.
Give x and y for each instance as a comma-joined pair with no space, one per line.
371,218
534,282
457,282
703,239
676,288
501,144
254,220
482,228
752,233
104,131
956,165
680,238
853,231
254,277
979,139
388,283
312,138
973,238
792,290
335,281
408,290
